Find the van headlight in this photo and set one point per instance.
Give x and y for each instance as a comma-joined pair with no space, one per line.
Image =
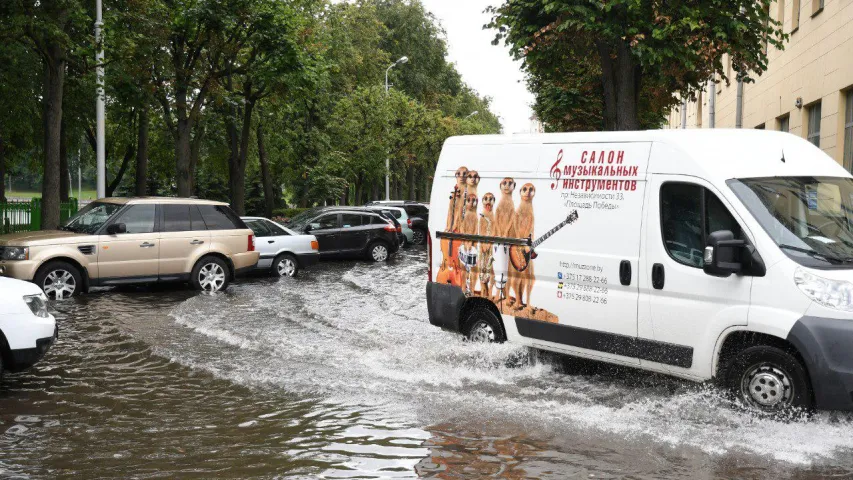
14,253
837,294
37,304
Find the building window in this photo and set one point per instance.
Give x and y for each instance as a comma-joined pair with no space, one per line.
817,7
760,127
766,39
795,16
814,124
781,15
784,123
848,131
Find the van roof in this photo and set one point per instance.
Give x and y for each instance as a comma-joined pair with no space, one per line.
143,200
714,154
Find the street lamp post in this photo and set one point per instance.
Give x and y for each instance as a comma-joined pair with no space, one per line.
403,59
472,114
99,102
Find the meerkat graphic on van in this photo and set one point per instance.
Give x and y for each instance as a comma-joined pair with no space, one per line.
468,250
505,211
485,269
522,281
461,184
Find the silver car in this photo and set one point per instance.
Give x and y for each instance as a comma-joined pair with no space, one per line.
284,252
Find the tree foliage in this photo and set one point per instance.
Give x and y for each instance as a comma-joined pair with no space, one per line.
618,64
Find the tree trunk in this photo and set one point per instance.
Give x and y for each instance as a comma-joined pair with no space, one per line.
195,151
621,77
141,189
2,170
125,162
237,160
374,195
183,154
54,60
266,176
64,177
410,195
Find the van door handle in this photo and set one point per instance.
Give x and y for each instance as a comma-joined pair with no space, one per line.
196,242
146,245
270,241
658,276
625,272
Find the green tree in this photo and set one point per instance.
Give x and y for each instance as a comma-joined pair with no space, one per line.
667,47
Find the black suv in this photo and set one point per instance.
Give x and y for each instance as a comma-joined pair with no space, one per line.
417,212
349,231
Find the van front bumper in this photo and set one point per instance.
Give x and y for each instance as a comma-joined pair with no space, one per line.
18,269
444,305
826,345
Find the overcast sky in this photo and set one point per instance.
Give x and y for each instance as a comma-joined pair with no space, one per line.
488,69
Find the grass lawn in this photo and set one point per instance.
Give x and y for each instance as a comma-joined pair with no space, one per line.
87,194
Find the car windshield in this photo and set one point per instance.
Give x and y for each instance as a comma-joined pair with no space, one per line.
809,218
91,218
299,222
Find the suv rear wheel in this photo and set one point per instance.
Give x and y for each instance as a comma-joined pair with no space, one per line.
418,237
769,379
210,274
59,280
378,252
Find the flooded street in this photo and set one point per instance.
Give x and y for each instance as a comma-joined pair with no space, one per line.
338,374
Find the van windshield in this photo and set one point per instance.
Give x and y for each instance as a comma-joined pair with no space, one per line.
91,218
809,218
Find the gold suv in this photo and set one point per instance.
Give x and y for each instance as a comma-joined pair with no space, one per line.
119,241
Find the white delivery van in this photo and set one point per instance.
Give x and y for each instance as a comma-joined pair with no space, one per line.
704,254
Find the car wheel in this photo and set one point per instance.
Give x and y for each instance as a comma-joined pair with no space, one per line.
59,280
285,266
210,274
418,237
378,252
769,380
483,326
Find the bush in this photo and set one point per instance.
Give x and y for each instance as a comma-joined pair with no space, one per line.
287,213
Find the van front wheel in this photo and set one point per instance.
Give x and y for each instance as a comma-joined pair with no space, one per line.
769,380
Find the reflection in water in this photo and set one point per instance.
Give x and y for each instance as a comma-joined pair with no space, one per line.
339,374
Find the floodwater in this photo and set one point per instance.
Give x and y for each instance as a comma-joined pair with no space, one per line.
338,374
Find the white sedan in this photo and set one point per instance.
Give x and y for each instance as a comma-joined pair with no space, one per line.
27,329
283,251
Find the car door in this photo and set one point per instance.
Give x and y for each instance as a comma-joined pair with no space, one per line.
354,232
685,310
182,240
133,255
326,228
265,242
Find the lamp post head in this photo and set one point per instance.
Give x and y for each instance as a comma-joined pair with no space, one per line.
403,59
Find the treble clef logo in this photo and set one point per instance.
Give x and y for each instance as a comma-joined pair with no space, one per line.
556,173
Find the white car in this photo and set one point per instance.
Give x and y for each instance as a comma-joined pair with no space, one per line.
27,329
400,214
283,251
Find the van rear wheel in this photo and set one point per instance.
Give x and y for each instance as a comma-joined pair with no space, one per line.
483,326
770,380
59,280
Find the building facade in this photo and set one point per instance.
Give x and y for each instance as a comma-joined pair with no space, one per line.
807,89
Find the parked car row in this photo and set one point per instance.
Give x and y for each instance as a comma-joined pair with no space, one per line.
121,241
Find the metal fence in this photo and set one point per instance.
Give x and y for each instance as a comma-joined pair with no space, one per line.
25,215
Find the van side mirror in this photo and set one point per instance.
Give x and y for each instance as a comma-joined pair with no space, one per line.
722,256
116,228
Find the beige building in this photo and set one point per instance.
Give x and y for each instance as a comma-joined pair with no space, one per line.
807,88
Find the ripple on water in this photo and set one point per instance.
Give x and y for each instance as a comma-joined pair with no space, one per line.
338,373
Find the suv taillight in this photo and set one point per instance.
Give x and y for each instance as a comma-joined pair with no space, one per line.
389,227
409,222
399,229
251,246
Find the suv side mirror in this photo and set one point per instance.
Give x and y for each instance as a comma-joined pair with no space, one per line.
116,228
308,228
722,254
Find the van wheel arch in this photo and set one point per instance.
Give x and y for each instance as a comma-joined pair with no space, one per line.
474,304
